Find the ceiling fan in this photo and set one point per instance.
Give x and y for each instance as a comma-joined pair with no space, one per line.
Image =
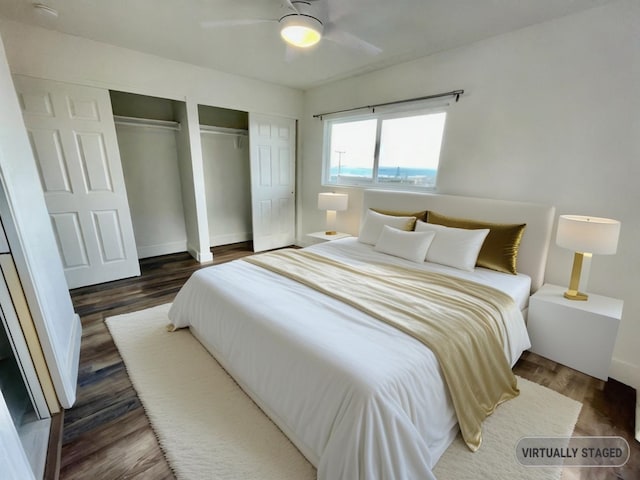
303,24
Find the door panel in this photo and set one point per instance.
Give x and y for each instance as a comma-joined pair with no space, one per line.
36,103
67,231
284,175
74,141
265,166
107,226
52,167
273,142
95,166
266,217
83,108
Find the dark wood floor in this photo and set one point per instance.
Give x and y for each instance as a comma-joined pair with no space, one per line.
107,435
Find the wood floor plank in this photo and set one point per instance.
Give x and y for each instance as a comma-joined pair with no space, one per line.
135,454
107,436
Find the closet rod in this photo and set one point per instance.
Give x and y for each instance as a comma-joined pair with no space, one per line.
453,93
222,130
146,122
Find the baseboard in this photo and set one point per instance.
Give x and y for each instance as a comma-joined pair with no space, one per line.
147,251
201,257
228,239
625,372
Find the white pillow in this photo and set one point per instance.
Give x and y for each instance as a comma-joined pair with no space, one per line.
455,247
400,243
373,222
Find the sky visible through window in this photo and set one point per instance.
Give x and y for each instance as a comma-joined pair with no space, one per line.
353,145
409,149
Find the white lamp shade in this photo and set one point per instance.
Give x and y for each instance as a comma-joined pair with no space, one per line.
333,201
588,234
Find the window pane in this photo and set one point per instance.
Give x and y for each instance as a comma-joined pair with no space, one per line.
410,149
351,151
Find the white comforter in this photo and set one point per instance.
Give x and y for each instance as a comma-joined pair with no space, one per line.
360,399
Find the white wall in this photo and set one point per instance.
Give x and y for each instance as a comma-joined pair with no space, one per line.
47,54
550,115
227,179
150,165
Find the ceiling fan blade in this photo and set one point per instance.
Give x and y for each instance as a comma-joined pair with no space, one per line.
349,40
291,53
235,22
289,4
335,10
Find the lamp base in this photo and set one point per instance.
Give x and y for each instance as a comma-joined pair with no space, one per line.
572,293
575,295
330,232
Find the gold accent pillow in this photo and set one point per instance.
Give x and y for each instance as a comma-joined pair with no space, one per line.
419,215
500,249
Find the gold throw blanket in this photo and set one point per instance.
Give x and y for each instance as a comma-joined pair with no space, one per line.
462,322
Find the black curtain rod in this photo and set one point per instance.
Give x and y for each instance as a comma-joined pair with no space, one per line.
454,93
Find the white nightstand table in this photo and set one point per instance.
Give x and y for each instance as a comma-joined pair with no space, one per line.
327,238
578,334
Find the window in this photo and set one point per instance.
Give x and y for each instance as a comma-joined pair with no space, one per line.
400,150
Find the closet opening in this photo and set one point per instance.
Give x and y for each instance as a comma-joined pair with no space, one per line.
153,148
226,162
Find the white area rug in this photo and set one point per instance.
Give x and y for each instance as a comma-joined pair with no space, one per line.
209,429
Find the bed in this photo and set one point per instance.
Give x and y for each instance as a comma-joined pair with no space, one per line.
359,397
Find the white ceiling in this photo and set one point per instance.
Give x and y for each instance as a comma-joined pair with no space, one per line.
178,29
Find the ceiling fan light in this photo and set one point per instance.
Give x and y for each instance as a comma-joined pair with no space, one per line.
300,30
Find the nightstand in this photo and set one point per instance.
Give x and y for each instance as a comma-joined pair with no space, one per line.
327,238
578,334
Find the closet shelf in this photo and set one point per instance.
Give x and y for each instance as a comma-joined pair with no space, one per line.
146,122
223,130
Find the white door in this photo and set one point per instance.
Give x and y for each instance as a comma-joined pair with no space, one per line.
273,158
74,142
30,237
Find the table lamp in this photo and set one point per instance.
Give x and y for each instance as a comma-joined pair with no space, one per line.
585,236
332,203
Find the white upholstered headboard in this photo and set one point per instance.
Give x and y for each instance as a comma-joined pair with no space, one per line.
532,256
